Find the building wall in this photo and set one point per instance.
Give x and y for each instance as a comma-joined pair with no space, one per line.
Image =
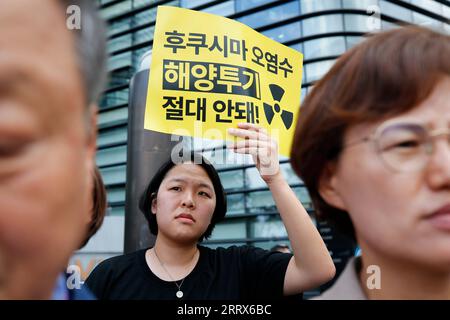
321,30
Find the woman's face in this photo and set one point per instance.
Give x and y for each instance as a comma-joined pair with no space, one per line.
185,203
392,211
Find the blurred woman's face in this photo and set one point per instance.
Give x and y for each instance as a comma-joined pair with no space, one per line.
396,187
185,203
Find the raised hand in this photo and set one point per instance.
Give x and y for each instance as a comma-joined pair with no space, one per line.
261,146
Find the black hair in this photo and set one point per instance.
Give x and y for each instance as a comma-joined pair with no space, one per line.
151,191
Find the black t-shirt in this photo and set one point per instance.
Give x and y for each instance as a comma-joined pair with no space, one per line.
242,272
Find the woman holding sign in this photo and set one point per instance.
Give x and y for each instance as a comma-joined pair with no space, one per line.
372,145
182,204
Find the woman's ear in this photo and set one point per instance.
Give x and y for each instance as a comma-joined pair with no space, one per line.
328,187
153,203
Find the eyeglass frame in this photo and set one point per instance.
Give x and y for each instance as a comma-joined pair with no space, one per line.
430,136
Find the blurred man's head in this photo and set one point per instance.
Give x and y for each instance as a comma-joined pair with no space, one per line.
47,140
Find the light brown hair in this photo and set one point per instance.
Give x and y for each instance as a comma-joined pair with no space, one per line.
388,74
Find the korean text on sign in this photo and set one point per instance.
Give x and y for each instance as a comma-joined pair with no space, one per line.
220,75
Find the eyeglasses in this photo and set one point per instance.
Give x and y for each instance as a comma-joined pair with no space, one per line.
404,147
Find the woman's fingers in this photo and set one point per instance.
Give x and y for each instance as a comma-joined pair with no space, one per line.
263,152
248,134
262,132
259,144
254,137
250,143
252,126
248,150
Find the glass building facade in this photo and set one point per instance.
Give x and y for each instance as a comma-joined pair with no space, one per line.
321,29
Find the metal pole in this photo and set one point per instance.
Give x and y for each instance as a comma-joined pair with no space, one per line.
147,150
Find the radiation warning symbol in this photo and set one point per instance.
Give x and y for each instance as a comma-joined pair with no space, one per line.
270,111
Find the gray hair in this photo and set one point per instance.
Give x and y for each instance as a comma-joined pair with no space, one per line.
90,43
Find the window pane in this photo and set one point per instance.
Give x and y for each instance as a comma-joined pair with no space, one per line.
230,230
115,98
267,227
385,25
322,24
446,13
356,23
147,16
116,195
242,5
116,9
426,21
284,33
353,41
120,61
447,25
144,35
192,3
223,9
253,179
396,11
235,203
111,156
298,47
260,201
114,175
119,43
275,14
314,5
315,71
232,180
303,95
141,36
289,173
116,211
112,136
429,5
112,115
303,195
359,4
120,77
323,47
118,26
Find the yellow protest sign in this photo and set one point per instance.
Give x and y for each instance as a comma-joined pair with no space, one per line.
209,73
